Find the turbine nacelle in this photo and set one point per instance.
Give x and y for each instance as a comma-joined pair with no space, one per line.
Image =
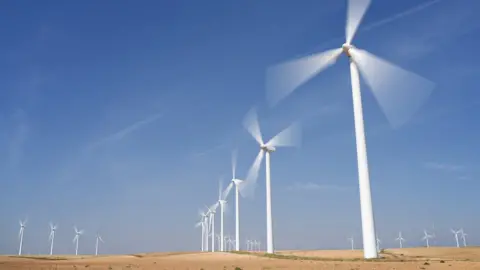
222,202
346,49
267,148
237,181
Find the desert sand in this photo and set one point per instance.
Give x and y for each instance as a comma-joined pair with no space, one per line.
408,258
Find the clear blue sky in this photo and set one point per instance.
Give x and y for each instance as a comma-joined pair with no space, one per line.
120,117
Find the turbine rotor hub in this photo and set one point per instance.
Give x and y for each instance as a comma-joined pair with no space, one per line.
346,49
267,148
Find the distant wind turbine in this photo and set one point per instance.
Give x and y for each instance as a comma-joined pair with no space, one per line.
20,235
211,213
288,137
456,236
222,202
400,239
76,238
351,242
202,223
426,237
99,238
378,244
464,238
53,229
238,183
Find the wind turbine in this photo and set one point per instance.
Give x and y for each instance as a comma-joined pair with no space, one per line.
456,236
378,244
351,241
202,224
222,202
211,212
426,237
398,92
463,235
20,235
238,191
400,239
288,137
53,229
99,238
76,238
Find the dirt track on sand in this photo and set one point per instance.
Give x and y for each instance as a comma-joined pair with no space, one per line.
398,259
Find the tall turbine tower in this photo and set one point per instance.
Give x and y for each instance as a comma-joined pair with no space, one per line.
426,237
53,229
400,239
20,235
76,238
288,137
456,236
98,238
399,93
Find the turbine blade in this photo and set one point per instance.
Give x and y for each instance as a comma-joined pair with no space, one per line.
355,12
291,136
226,192
220,189
250,122
400,93
248,188
234,162
282,79
101,239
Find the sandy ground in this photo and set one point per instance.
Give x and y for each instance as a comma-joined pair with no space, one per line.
393,259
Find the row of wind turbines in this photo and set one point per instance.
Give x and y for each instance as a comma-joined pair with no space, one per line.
426,237
51,237
399,93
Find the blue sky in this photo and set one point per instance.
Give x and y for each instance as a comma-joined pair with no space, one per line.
120,117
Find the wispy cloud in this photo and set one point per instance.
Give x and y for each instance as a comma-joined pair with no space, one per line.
309,186
445,167
119,135
432,30
18,137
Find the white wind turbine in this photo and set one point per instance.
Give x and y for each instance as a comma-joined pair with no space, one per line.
222,202
76,238
351,242
288,137
378,244
456,236
20,235
400,239
53,229
202,223
238,191
426,237
211,213
398,92
99,238
464,238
